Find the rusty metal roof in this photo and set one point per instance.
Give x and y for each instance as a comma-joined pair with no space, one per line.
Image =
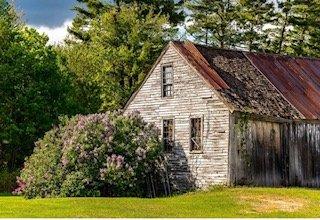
263,84
298,79
195,58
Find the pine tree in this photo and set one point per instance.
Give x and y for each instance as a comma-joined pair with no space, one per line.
305,21
253,17
296,29
278,31
173,9
87,10
314,40
213,22
115,61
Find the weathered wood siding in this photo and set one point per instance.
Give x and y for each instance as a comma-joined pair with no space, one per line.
304,154
192,98
274,153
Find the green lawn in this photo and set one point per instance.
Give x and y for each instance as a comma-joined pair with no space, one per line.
218,202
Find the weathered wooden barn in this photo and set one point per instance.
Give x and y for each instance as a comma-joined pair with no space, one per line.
234,117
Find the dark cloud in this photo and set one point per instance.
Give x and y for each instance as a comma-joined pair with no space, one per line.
50,13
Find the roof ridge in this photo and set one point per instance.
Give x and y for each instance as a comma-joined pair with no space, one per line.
254,52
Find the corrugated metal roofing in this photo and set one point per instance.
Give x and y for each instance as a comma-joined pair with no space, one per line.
263,84
298,79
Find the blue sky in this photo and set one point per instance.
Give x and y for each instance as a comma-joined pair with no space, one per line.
51,17
49,13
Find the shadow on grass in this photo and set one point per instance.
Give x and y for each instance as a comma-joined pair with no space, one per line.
5,194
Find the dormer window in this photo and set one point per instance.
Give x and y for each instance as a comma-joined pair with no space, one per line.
167,81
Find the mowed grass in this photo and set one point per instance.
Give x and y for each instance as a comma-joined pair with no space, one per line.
217,202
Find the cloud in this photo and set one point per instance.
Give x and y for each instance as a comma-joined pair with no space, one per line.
50,13
56,34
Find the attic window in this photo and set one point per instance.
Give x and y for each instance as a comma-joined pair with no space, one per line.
167,134
167,81
196,134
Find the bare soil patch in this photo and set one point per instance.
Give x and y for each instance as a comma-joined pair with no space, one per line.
269,203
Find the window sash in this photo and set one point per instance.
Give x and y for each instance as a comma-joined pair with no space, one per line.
196,134
167,81
168,134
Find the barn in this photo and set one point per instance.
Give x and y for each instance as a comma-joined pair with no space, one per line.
233,117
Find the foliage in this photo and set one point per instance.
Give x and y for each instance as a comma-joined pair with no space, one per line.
286,27
7,180
93,155
89,10
33,91
278,34
213,22
122,49
253,16
305,21
293,29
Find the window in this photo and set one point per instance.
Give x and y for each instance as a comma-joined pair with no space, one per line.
167,81
168,134
196,134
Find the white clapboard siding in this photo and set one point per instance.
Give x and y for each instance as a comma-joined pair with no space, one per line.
192,98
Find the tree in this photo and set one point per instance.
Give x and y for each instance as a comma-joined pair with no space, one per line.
33,92
253,16
114,62
314,40
315,43
296,23
7,12
85,12
278,41
213,22
88,10
304,20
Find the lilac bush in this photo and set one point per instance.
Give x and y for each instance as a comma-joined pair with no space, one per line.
95,155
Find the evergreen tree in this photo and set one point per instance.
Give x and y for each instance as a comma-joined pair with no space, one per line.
304,20
295,28
253,16
114,62
213,22
278,33
314,41
87,10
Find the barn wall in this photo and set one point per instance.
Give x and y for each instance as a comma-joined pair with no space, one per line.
274,153
192,98
304,154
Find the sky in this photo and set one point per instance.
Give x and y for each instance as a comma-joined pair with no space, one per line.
48,16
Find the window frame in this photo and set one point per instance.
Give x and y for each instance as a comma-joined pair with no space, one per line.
201,134
169,149
162,79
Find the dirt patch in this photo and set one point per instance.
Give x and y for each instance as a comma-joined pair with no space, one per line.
268,203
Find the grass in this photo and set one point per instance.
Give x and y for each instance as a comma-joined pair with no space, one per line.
218,202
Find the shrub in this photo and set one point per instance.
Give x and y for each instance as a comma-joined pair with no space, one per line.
94,155
7,180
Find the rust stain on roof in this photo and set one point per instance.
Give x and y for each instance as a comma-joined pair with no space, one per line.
298,79
195,58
